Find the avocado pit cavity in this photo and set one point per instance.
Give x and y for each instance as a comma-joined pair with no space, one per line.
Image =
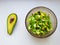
11,20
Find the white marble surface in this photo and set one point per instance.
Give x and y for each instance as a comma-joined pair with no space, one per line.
20,35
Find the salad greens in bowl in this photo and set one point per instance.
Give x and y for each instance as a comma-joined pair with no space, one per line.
41,22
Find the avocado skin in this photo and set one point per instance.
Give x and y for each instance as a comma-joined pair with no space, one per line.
14,24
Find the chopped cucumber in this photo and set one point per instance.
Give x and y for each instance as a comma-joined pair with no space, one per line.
39,23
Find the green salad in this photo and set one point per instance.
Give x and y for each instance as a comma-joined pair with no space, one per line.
39,23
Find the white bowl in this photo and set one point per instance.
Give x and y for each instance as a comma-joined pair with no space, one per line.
52,18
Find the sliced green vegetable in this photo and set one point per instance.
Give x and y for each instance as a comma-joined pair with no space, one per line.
39,23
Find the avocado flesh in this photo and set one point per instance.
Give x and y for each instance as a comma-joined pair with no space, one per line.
11,22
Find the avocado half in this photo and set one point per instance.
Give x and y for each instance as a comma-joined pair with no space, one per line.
11,22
